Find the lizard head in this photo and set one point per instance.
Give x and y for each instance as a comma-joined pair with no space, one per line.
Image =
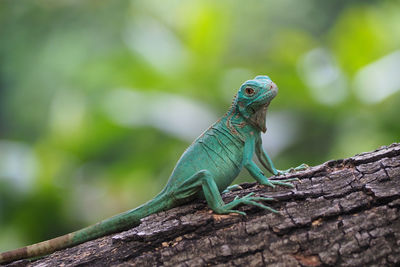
253,99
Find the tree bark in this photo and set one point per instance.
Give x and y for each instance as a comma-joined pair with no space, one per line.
343,212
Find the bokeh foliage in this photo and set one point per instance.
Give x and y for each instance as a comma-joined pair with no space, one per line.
65,162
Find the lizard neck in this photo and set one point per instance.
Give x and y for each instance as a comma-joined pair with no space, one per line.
237,125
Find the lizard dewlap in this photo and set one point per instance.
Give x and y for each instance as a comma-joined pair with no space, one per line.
206,168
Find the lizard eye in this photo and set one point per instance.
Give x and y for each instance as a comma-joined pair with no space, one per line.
249,91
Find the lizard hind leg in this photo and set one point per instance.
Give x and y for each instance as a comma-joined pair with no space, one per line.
204,180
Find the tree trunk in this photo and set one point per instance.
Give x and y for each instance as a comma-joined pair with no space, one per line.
343,212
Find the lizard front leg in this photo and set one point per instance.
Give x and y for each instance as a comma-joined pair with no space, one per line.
268,164
203,180
255,171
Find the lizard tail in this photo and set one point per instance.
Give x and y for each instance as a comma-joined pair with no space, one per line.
117,223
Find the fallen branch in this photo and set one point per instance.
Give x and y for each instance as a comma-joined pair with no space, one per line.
343,212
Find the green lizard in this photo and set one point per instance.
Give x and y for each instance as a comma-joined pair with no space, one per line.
206,168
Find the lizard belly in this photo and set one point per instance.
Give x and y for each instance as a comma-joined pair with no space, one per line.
221,156
223,172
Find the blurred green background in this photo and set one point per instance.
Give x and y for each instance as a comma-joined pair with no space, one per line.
98,99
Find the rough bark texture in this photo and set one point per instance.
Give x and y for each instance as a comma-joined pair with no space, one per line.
343,212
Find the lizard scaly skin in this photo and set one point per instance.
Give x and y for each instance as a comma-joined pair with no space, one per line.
207,167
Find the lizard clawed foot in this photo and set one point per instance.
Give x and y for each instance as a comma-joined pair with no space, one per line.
272,183
301,167
231,188
248,200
